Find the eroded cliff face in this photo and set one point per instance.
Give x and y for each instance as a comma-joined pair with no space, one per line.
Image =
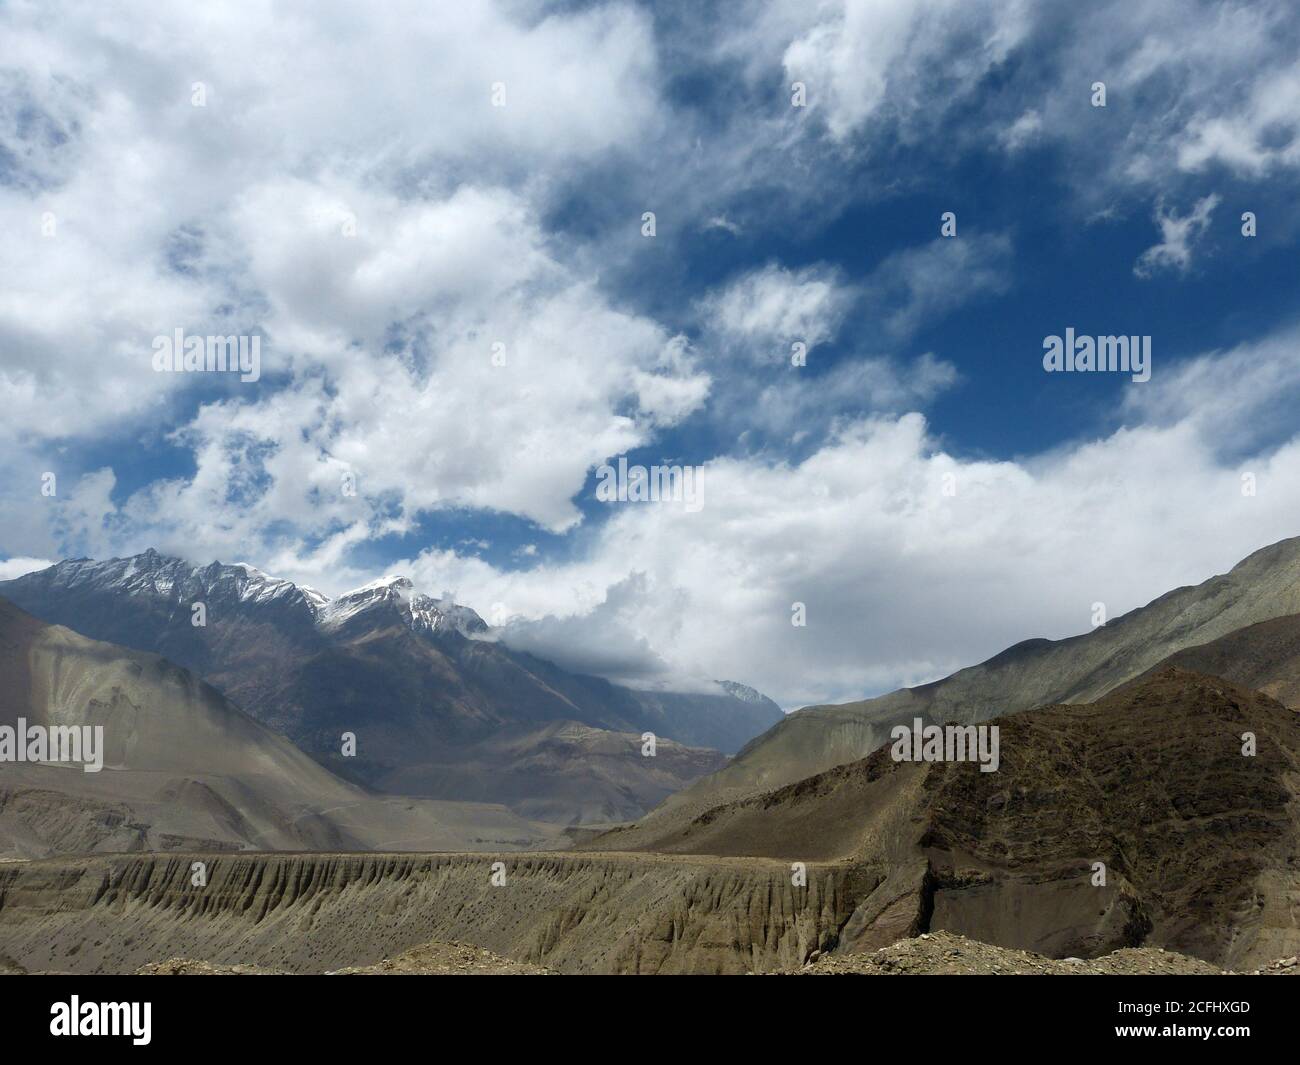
574,913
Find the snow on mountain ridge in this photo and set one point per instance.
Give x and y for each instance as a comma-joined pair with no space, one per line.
173,578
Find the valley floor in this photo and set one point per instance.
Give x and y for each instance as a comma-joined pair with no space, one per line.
929,954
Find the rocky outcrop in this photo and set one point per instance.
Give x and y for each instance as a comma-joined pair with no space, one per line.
945,954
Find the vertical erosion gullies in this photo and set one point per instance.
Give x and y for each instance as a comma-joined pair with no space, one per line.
311,913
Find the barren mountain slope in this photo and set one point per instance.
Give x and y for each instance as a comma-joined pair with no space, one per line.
184,767
560,772
1265,585
1200,843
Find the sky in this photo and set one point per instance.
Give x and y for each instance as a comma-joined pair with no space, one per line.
433,218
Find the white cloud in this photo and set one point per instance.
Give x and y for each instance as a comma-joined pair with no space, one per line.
1178,235
801,407
1186,85
1024,130
606,641
378,357
724,223
918,286
1189,84
1261,134
904,59
759,317
16,567
436,422
368,212
902,582
168,215
1237,399
768,309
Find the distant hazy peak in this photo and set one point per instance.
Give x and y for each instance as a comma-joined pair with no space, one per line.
743,692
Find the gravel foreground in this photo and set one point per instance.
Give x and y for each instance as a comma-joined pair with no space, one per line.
930,954
945,954
430,959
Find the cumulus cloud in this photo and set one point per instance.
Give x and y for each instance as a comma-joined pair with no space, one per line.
1237,399
1259,134
1178,235
608,640
911,560
757,323
130,212
768,309
1189,85
433,336
802,407
418,428
16,567
861,60
422,333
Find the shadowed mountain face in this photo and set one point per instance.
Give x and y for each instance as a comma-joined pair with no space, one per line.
418,681
1264,656
1264,586
1200,842
183,767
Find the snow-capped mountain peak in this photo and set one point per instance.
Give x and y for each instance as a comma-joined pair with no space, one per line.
422,613
441,615
283,651
156,576
161,576
388,591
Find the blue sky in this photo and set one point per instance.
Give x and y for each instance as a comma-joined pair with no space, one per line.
383,195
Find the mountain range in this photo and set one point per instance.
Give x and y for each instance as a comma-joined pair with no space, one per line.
183,768
1135,821
437,706
1145,796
